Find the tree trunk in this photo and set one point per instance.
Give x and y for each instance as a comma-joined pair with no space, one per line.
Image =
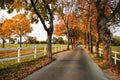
102,21
68,42
88,42
106,41
90,37
97,47
107,50
26,44
68,36
74,42
91,44
3,43
85,40
71,43
20,41
49,46
48,30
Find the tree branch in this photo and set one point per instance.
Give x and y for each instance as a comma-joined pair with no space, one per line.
97,3
36,2
49,10
41,19
117,9
104,5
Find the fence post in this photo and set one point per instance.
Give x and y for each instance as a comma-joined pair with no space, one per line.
58,49
44,50
100,53
35,52
115,59
18,54
55,49
61,47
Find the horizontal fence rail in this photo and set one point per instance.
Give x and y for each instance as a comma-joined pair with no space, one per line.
19,56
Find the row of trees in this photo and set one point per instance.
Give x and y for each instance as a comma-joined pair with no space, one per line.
59,40
92,21
80,20
18,26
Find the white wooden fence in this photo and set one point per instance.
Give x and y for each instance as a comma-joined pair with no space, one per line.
19,56
114,57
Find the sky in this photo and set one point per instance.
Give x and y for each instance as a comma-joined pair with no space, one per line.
117,31
38,30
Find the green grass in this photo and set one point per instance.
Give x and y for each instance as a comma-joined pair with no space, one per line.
116,48
18,71
24,45
13,62
11,70
13,53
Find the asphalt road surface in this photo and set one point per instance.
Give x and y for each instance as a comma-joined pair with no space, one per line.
70,65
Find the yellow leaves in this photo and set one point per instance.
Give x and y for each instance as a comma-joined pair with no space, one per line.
19,25
6,28
73,24
22,25
59,29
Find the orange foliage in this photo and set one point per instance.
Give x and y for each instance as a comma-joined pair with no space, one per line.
7,27
22,24
59,29
19,25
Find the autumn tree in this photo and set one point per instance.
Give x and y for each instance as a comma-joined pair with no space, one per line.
31,40
6,30
74,28
37,10
60,28
1,35
67,7
91,30
21,26
85,22
107,12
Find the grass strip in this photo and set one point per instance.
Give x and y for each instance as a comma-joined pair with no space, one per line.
19,71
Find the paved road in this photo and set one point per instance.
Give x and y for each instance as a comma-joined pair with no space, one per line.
70,65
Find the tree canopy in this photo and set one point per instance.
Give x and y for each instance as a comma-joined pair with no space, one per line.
77,19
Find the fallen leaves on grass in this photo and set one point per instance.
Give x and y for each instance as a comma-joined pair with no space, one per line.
19,71
112,71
